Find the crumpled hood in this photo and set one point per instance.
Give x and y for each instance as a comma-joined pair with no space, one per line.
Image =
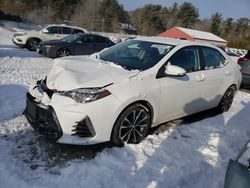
85,72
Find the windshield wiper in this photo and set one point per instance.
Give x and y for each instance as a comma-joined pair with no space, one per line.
121,65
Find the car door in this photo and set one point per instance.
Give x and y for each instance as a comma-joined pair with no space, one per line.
66,31
181,96
53,33
100,43
216,72
85,46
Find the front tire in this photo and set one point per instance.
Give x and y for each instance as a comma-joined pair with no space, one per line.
33,44
226,100
132,125
63,52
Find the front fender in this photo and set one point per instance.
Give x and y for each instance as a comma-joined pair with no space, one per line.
138,90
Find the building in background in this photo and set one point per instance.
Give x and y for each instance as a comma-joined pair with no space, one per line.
194,35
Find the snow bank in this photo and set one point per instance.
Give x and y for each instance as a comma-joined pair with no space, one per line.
12,101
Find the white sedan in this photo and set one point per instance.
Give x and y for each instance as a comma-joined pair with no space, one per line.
120,93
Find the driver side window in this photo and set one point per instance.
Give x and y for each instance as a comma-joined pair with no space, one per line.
187,58
88,39
54,30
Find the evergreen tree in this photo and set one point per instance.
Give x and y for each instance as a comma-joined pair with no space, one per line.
188,14
215,23
112,13
228,25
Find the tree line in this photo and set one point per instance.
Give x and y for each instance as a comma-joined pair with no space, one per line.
105,15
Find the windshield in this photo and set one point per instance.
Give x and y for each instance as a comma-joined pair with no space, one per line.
136,54
72,38
40,28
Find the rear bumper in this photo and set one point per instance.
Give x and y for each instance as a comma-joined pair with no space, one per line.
43,119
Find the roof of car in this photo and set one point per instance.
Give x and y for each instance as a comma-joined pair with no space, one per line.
172,41
93,34
65,25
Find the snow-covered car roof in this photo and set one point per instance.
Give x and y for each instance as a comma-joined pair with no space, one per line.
172,41
65,25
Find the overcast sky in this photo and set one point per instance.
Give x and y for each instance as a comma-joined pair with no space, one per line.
228,8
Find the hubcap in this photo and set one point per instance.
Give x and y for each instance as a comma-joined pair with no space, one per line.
227,100
133,126
63,52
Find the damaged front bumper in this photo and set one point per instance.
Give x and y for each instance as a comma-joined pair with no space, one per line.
62,119
43,119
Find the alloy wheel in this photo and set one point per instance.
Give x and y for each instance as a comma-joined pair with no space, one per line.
227,100
63,52
134,126
33,45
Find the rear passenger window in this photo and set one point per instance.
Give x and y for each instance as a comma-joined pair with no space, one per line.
187,58
54,30
88,39
66,30
100,40
77,31
213,58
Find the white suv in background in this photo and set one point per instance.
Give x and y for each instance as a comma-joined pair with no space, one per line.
31,39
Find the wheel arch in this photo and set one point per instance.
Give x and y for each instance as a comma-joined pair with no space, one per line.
33,38
232,85
63,47
142,102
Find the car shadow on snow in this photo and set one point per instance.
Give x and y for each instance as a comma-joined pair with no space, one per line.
197,150
35,151
15,51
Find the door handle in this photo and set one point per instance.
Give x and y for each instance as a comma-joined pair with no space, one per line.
200,78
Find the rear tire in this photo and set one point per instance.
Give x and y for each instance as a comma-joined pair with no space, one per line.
226,100
33,44
132,125
63,52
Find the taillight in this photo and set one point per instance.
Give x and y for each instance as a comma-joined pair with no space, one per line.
242,59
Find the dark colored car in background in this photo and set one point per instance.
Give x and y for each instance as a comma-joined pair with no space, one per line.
244,62
76,44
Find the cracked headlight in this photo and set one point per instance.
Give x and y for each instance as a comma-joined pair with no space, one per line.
86,95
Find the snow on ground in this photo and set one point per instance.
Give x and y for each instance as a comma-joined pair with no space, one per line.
192,153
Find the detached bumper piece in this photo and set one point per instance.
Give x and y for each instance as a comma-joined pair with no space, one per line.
43,119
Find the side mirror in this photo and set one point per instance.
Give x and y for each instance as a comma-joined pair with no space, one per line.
173,70
45,31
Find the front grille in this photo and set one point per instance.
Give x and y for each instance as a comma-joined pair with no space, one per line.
83,128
